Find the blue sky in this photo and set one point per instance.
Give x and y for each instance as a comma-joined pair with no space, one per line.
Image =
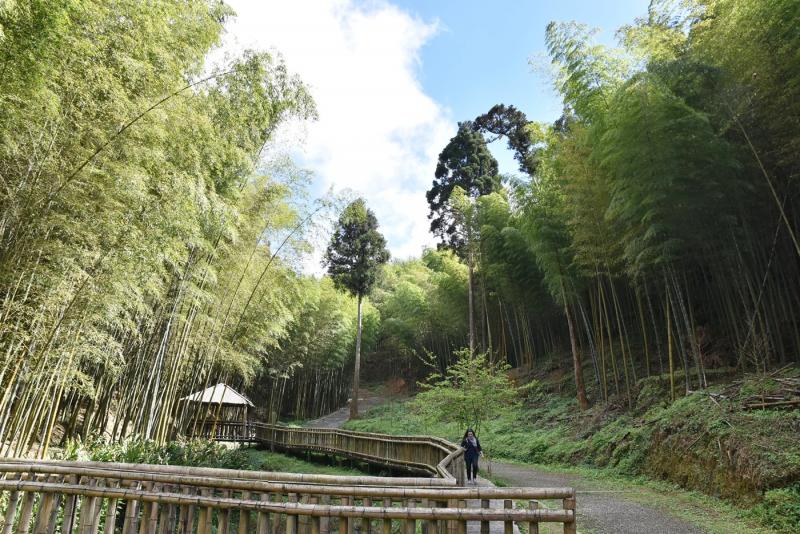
480,55
391,79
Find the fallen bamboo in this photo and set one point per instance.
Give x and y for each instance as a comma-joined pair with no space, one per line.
776,404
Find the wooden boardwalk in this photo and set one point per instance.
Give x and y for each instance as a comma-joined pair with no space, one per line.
439,459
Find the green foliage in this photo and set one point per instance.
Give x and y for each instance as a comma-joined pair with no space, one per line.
747,457
196,453
781,509
638,152
509,122
283,463
422,306
134,226
472,391
356,250
465,163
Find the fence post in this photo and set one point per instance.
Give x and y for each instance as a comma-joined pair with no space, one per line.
314,519
570,527
262,523
324,522
25,514
11,511
387,523
69,509
533,526
410,525
366,522
346,523
462,523
484,524
244,515
291,519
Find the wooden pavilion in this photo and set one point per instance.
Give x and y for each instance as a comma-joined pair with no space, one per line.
220,403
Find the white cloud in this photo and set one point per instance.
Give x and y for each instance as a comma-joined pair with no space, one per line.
378,133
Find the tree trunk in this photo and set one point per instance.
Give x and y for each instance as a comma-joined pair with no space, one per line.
583,403
471,310
356,367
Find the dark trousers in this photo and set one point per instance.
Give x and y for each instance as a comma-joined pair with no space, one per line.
472,468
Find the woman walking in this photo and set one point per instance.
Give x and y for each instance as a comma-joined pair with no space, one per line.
472,450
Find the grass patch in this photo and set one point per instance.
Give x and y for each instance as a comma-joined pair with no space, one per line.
262,460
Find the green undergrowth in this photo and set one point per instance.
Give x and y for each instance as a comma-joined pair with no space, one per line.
198,453
263,460
705,441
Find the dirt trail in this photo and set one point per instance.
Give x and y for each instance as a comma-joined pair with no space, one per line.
339,417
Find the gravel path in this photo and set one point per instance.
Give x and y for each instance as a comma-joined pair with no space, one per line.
601,512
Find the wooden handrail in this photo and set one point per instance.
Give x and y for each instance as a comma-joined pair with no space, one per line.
424,454
474,514
146,471
149,499
197,476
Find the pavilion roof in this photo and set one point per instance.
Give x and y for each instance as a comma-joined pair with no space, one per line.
219,394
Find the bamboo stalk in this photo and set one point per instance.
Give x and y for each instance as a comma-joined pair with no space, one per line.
11,510
23,526
111,517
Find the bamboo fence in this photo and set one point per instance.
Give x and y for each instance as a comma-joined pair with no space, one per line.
48,497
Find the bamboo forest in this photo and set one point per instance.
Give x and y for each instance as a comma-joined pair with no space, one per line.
620,282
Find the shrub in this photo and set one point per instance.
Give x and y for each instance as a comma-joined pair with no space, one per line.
472,392
197,453
781,509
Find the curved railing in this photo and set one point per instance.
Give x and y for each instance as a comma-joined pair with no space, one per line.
44,497
423,454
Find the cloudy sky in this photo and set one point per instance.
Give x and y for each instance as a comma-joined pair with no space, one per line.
392,79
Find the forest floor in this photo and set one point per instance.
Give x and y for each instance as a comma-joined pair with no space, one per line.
607,504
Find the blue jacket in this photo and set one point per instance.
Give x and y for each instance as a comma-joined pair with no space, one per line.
471,452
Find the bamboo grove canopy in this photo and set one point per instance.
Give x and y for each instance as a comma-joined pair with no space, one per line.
220,402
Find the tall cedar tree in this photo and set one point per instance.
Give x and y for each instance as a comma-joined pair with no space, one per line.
465,163
354,255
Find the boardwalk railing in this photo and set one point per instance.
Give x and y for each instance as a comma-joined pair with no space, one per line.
424,454
46,497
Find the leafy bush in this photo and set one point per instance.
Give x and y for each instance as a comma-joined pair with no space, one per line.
197,453
472,392
781,509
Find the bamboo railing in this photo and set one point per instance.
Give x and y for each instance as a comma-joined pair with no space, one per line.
45,497
422,454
